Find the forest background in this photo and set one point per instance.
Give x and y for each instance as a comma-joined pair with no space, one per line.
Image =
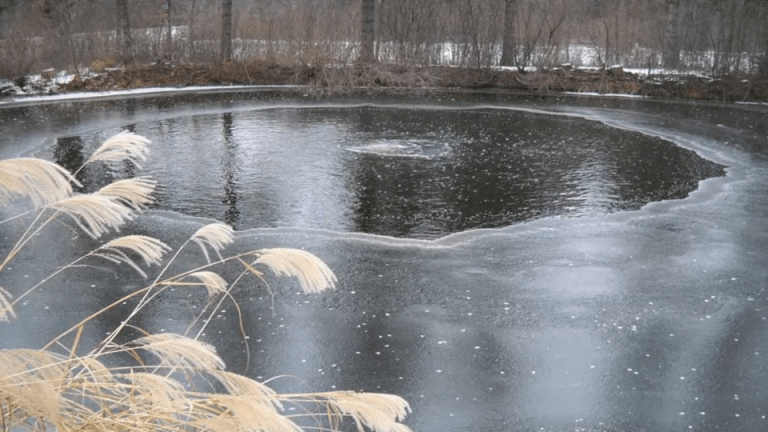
334,43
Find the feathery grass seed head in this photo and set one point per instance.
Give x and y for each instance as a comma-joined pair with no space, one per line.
94,213
135,193
158,390
214,283
215,235
29,381
150,249
376,411
244,414
238,385
313,274
41,181
123,146
176,351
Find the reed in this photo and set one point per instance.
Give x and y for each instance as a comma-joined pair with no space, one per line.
58,388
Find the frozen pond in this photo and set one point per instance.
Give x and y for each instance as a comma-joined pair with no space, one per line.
596,313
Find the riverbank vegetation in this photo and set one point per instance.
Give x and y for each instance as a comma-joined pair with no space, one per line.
133,379
700,50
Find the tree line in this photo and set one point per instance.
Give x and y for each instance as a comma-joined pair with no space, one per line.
712,36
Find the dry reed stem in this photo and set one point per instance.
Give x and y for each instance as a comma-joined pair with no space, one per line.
6,306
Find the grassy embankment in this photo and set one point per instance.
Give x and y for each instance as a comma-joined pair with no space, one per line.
388,77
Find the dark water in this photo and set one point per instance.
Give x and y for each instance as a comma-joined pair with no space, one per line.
419,173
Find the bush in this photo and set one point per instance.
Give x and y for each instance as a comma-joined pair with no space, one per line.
176,382
104,62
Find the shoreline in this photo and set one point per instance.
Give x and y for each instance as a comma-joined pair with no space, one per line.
327,81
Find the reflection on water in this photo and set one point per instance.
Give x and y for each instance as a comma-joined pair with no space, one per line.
69,154
230,164
419,173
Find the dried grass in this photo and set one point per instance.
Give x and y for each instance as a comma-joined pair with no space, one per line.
216,235
95,214
42,389
41,181
376,411
6,308
135,193
178,352
313,274
149,249
212,282
125,146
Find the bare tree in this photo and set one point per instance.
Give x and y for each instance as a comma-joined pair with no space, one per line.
18,52
226,31
479,30
409,29
61,15
124,25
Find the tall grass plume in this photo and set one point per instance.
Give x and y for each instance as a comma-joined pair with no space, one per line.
176,382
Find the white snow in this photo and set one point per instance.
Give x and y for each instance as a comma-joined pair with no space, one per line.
604,94
149,90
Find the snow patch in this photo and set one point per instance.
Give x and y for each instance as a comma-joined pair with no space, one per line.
141,91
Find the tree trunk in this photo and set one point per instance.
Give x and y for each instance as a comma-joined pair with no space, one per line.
124,24
191,36
671,47
169,29
508,42
368,31
226,31
764,61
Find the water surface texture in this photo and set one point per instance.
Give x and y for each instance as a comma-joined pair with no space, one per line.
419,173
646,319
